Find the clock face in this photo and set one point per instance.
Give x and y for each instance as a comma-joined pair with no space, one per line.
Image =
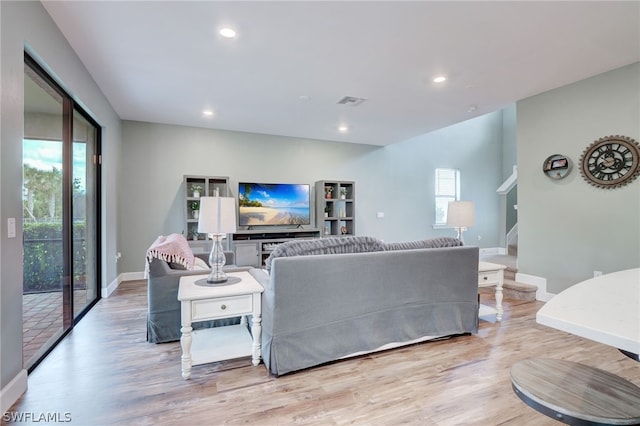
611,162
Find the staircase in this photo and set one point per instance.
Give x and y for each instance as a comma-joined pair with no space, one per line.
511,289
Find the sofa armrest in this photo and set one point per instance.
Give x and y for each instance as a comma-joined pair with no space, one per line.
261,276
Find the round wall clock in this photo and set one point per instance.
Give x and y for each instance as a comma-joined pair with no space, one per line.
611,162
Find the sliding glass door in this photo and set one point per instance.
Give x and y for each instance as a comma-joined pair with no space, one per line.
84,204
60,213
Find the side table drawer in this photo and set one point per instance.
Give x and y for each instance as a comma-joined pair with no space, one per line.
223,307
489,278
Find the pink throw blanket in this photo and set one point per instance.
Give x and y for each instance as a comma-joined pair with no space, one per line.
172,248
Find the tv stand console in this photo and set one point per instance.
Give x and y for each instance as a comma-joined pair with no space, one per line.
253,246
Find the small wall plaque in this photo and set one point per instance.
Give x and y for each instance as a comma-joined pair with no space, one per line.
557,166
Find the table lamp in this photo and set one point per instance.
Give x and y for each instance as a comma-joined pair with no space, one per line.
461,215
218,218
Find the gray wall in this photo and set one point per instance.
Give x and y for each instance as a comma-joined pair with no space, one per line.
474,147
509,159
28,24
509,141
397,180
568,228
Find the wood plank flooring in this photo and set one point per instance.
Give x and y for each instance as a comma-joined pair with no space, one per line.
106,373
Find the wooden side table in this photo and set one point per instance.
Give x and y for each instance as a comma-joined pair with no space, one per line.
492,274
575,393
204,303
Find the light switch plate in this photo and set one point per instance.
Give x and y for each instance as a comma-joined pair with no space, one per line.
11,227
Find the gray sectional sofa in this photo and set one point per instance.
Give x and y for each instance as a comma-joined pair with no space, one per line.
331,298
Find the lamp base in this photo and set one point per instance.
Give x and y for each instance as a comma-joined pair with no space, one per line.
217,275
217,261
460,231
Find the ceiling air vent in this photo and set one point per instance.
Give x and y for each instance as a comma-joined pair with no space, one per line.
351,100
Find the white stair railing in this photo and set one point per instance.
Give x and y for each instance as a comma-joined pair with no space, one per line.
510,183
503,191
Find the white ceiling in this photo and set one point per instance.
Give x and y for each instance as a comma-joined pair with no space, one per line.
163,61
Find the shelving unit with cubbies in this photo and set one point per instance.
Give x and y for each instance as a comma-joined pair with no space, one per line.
335,207
194,188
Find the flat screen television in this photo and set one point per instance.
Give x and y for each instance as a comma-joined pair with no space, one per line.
273,204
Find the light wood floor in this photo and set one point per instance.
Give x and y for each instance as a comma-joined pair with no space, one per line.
105,372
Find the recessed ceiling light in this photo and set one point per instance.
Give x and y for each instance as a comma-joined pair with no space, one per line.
472,108
439,79
343,128
207,113
227,32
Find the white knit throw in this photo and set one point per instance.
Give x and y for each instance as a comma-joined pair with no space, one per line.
172,248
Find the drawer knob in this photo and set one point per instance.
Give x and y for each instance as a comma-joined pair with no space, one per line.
223,307
485,278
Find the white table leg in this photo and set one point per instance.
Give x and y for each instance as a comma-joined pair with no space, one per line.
185,339
185,342
256,332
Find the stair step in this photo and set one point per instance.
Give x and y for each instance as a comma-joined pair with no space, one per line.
519,291
514,290
510,273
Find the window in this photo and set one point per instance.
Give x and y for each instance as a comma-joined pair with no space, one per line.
447,189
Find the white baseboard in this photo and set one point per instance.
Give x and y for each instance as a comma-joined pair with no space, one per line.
127,276
493,250
132,276
106,291
10,393
541,283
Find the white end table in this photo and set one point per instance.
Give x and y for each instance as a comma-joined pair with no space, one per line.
492,274
204,303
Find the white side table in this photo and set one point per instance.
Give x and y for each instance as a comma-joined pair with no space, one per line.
492,274
204,303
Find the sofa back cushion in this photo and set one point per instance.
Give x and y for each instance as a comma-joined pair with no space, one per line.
331,245
428,243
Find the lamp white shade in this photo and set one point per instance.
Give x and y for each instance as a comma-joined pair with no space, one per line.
217,215
461,214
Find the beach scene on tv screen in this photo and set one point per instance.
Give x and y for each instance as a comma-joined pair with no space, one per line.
273,204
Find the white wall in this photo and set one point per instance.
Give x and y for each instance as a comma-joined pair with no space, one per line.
568,228
397,180
27,24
